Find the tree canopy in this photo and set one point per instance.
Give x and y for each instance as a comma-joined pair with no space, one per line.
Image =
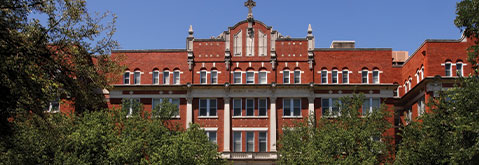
60,56
349,138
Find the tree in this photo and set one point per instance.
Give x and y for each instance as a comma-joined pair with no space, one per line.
467,20
105,137
61,57
349,138
450,133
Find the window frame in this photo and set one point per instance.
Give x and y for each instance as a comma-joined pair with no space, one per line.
291,107
249,76
265,141
347,76
240,140
324,78
378,77
286,76
247,106
205,77
125,78
265,77
240,106
208,107
362,76
135,79
208,134
156,77
297,73
448,70
214,79
265,106
240,77
333,79
461,69
330,107
176,77
248,133
371,105
166,77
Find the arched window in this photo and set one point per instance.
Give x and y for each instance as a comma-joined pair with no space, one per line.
297,76
237,77
459,70
448,67
137,77
214,76
156,76
126,77
263,76
286,75
250,77
334,76
176,76
345,75
237,41
166,77
376,79
203,77
324,76
365,76
422,73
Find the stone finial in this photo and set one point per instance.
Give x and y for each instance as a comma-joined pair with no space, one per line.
190,31
310,30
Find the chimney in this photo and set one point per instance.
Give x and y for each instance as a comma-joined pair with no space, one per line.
342,44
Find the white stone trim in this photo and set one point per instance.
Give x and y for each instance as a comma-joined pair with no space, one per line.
249,128
210,128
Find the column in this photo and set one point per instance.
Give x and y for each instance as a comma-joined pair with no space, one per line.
272,124
227,125
311,114
189,112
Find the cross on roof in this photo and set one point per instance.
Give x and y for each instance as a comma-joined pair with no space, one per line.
250,4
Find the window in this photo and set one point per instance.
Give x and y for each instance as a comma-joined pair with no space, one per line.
54,106
370,104
137,78
262,43
262,77
238,43
249,77
286,77
375,76
409,84
292,107
345,76
421,108
176,77
334,76
126,78
237,77
249,107
211,136
156,103
364,77
324,76
408,115
237,141
214,77
203,77
331,106
237,107
249,141
166,77
132,101
448,69
156,77
297,76
459,69
417,76
262,141
207,107
405,87
262,107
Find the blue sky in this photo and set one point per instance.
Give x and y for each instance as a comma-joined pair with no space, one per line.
396,24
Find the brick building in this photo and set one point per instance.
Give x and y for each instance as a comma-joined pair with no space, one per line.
246,84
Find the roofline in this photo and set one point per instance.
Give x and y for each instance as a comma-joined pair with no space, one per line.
431,41
291,39
209,39
256,21
147,50
353,49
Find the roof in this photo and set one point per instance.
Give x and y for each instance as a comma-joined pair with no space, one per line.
147,50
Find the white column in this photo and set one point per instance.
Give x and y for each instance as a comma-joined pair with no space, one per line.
227,125
189,112
311,117
272,124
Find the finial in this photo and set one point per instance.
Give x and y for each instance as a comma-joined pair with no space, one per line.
250,4
310,31
190,31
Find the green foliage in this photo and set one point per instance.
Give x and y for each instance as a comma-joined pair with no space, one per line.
448,135
467,20
346,139
104,137
43,60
